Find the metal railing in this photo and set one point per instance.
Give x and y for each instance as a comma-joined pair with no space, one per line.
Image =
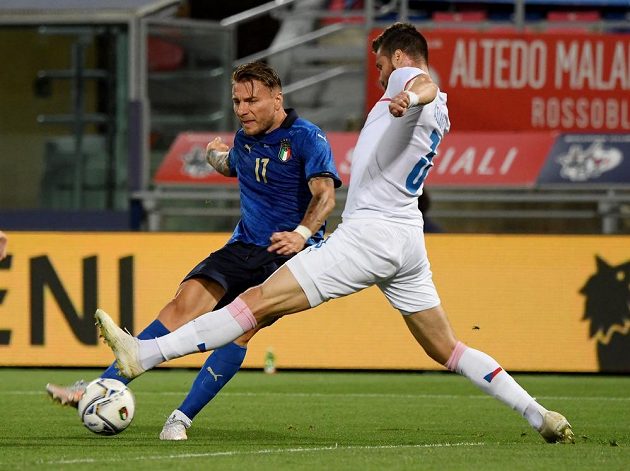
611,207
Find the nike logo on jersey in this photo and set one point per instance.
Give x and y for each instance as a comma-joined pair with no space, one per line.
215,376
321,137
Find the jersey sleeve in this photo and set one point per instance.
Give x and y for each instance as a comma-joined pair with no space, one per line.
399,79
318,158
233,157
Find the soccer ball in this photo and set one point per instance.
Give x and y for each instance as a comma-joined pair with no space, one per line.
107,407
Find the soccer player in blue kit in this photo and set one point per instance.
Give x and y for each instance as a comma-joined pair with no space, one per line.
379,243
287,180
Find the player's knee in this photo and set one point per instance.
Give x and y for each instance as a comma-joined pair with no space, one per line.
440,351
175,312
438,356
254,299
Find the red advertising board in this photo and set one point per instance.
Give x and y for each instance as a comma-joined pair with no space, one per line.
512,81
185,161
464,159
490,159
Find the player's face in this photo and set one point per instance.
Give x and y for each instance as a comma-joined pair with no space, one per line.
385,68
256,106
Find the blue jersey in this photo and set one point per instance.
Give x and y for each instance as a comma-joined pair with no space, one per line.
273,171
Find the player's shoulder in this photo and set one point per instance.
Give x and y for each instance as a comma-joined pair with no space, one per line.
407,72
304,125
400,78
306,131
240,135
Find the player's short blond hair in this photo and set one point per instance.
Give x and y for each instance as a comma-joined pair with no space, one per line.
258,71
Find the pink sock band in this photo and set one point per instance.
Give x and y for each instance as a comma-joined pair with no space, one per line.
242,314
453,361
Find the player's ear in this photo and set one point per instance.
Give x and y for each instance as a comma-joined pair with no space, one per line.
279,100
397,58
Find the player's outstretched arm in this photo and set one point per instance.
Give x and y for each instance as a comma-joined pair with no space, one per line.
3,245
320,206
421,92
217,153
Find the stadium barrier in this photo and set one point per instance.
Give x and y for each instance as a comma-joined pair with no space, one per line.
538,176
536,303
527,81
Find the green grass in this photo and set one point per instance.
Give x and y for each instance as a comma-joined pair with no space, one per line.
313,421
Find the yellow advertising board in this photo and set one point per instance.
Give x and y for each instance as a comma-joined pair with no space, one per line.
535,303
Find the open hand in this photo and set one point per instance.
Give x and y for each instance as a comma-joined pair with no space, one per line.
286,243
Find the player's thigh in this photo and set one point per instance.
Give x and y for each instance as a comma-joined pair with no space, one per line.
194,297
355,256
411,288
279,295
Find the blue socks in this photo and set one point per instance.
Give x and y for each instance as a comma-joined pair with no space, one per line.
218,369
153,330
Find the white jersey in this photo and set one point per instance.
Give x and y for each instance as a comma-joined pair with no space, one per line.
394,155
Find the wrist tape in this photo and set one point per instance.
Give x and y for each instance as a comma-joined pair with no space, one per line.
414,99
303,231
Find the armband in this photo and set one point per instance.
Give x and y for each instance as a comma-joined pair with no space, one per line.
414,99
303,231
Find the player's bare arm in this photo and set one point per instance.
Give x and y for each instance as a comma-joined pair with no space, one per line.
320,206
217,153
421,92
3,245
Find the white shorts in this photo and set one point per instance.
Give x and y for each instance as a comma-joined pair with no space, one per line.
365,252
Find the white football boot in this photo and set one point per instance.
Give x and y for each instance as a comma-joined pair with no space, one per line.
124,345
175,426
556,428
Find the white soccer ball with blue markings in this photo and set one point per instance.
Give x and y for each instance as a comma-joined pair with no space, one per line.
107,407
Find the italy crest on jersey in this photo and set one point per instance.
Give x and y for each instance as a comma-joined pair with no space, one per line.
285,150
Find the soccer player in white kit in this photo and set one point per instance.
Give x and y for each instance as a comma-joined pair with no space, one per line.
380,242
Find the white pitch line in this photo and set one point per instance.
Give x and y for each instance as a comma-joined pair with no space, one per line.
346,395
263,452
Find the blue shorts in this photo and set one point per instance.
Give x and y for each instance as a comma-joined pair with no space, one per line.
237,267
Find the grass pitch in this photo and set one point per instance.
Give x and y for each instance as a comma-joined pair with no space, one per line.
313,421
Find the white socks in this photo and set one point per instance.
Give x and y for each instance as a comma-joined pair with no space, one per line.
486,374
209,331
179,415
